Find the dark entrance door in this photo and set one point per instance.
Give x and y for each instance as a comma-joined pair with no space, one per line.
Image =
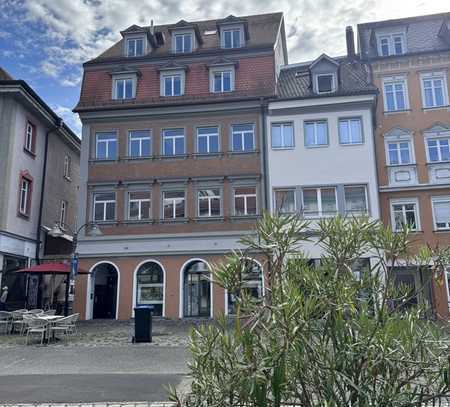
105,292
197,290
16,282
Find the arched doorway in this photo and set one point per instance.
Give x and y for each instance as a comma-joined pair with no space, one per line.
104,292
252,283
196,290
150,286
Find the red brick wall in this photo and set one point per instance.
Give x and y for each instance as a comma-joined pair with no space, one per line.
255,76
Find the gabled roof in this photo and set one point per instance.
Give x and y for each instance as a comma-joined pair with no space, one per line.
321,58
172,65
353,79
183,24
221,61
5,76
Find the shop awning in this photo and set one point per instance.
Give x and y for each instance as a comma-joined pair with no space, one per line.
50,268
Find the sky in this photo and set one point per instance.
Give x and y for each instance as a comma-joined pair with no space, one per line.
45,42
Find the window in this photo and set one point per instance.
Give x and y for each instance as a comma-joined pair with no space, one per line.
355,200
25,195
222,81
392,44
183,43
438,149
395,95
231,38
173,142
316,133
67,162
139,205
106,146
30,138
404,214
150,287
124,88
285,201
172,85
139,143
243,137
207,140
135,47
245,201
399,152
209,202
350,131
63,213
325,83
173,204
104,206
319,202
441,212
434,90
282,135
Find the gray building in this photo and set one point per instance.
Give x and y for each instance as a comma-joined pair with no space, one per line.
39,180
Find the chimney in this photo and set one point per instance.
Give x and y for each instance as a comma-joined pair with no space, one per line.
152,28
350,42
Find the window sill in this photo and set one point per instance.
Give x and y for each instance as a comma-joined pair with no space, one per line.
244,217
208,219
318,146
446,107
351,144
68,179
208,155
231,153
389,112
283,148
103,161
32,154
138,221
400,165
173,221
441,230
105,222
173,157
139,158
437,162
25,216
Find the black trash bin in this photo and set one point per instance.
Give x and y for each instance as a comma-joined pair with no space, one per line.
143,324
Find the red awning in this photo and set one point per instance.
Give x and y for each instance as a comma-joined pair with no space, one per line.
50,268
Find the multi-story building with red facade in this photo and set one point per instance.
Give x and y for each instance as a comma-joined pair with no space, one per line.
410,60
173,162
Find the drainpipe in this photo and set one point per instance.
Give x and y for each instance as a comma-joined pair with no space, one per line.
264,153
57,126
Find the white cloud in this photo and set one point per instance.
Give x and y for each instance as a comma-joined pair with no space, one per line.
71,119
50,69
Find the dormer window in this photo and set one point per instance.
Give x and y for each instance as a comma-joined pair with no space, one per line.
135,47
183,43
231,38
391,44
124,87
325,83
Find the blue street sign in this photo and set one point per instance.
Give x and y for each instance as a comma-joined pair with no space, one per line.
74,266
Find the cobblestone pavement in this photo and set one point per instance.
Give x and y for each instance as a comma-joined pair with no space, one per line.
116,333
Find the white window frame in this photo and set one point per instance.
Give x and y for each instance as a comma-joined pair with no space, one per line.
25,186
438,138
183,34
63,213
391,43
319,202
437,199
333,82
276,190
397,140
140,139
222,70
246,197
172,74
107,141
173,140
124,78
432,76
29,138
172,201
209,199
224,29
405,201
104,203
366,197
208,136
66,171
242,133
316,145
139,201
349,120
282,125
135,39
394,80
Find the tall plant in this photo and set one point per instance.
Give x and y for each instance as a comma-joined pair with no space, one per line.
330,335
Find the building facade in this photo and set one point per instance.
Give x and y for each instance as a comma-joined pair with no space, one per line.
410,60
173,162
39,169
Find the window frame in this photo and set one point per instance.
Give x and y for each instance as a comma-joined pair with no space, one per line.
434,200
333,82
67,167
432,76
405,201
315,121
172,74
208,136
397,140
318,190
135,39
124,78
287,189
361,127
391,43
209,198
107,158
29,145
436,138
232,131
246,197
63,212
25,211
104,203
282,126
150,138
163,147
183,34
222,70
232,28
163,199
393,80
140,201
366,198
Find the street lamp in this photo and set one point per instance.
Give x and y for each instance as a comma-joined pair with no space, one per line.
58,231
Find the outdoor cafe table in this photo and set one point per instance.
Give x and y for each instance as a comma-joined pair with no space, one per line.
51,320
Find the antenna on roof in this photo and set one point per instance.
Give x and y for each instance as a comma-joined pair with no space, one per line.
152,28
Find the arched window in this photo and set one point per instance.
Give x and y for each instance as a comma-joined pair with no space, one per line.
252,284
150,286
